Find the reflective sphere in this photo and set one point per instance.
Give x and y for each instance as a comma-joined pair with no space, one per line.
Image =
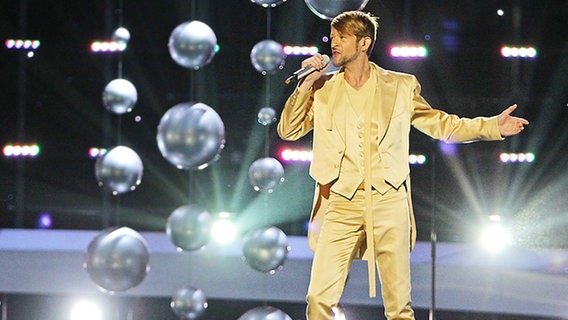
192,44
119,170
189,303
120,96
268,3
265,313
191,135
266,116
266,249
117,259
265,174
188,227
329,9
267,56
121,35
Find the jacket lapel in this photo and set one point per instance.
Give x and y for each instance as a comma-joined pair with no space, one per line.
335,82
385,95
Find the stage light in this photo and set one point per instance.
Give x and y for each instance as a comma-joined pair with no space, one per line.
411,52
21,151
296,155
448,149
516,157
518,52
86,310
22,44
495,237
44,221
97,152
223,230
338,313
108,46
416,159
300,50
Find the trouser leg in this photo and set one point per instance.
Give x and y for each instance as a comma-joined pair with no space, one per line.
341,233
392,247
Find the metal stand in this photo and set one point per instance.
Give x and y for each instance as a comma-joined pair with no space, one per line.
433,241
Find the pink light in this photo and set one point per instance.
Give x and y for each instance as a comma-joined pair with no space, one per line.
291,155
518,52
516,157
416,159
300,50
28,151
96,152
20,44
108,46
408,52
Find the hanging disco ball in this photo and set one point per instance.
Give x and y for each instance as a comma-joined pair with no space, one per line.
265,313
329,9
191,135
119,170
117,259
268,3
120,96
267,56
266,174
266,116
192,44
189,303
188,227
121,35
266,249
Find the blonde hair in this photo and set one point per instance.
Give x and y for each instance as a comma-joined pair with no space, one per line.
357,23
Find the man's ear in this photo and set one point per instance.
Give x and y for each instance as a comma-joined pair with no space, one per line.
366,43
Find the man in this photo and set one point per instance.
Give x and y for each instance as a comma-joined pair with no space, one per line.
361,117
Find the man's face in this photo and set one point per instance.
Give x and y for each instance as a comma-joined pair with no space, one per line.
344,47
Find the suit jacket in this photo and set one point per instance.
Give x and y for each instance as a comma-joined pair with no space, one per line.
399,103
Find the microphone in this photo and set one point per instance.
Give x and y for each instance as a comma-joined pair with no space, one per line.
304,72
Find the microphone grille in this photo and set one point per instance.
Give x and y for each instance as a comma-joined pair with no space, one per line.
325,60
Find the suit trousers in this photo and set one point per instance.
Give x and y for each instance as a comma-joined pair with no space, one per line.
342,234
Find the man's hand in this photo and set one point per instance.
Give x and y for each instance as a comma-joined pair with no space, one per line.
315,61
509,125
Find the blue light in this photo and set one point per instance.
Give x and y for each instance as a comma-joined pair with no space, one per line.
44,221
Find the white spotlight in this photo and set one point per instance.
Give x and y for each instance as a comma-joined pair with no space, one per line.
86,310
338,313
495,237
223,231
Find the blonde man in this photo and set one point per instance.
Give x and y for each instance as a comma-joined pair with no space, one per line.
361,117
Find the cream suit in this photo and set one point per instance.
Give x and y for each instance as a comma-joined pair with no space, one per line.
397,104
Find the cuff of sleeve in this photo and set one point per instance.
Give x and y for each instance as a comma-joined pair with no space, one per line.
302,93
300,96
493,132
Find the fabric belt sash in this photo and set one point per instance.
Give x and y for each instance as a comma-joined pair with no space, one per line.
369,202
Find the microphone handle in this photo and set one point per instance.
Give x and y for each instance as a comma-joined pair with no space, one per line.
302,73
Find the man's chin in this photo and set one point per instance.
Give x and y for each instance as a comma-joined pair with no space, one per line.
337,61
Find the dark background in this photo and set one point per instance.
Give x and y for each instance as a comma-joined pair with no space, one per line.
54,99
